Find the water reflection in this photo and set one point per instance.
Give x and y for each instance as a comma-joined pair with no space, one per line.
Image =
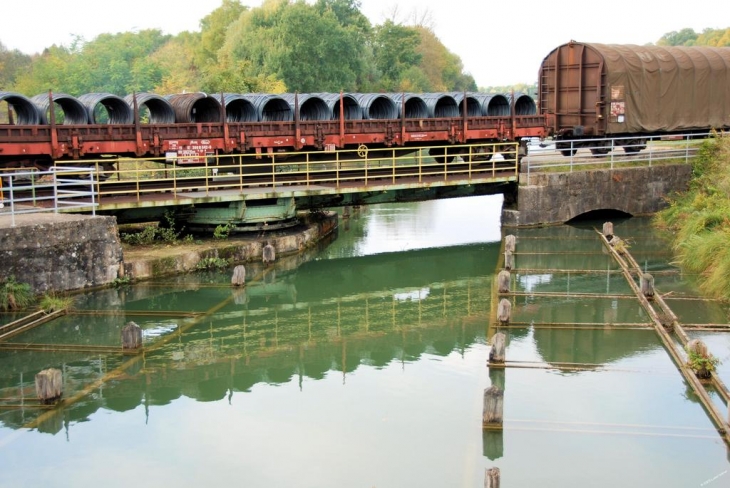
324,316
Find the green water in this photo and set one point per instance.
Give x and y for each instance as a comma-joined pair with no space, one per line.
364,364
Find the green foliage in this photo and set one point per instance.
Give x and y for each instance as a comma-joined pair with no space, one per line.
294,45
119,282
213,263
688,37
12,64
164,233
701,363
222,231
52,302
14,295
684,37
700,219
517,88
396,49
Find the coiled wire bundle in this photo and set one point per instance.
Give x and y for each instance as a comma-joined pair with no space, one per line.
195,107
105,108
25,112
158,109
73,112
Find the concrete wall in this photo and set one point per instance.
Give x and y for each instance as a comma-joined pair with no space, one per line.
553,198
60,252
178,260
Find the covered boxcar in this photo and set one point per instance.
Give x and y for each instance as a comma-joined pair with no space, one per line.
592,91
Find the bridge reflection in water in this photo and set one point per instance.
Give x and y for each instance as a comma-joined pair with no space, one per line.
327,316
323,317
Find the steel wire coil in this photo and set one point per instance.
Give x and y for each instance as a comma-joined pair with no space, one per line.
159,110
493,105
440,105
270,108
195,107
26,113
473,106
239,109
524,104
73,112
376,106
311,107
351,110
415,107
105,108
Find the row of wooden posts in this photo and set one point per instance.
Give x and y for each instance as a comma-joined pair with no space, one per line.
493,410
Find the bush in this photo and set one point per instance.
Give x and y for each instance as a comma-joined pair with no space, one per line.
222,231
213,263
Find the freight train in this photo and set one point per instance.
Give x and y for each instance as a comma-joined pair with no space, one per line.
586,92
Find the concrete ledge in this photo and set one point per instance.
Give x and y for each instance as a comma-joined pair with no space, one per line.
142,264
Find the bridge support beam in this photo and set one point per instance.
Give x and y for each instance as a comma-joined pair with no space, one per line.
555,198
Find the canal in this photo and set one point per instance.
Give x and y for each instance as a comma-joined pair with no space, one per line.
365,365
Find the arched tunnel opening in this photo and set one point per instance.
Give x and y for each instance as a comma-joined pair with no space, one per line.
602,215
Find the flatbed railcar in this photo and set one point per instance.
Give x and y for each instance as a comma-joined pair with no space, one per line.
40,145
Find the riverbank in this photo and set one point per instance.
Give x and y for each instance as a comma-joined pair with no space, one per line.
699,220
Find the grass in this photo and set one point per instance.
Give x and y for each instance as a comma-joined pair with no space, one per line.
52,303
699,219
14,295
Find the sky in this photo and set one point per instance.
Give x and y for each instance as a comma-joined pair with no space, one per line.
500,43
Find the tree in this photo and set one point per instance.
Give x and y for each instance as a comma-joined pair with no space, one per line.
12,63
176,62
714,37
395,48
684,37
305,47
214,28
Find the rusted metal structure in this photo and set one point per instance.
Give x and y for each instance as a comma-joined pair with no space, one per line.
597,90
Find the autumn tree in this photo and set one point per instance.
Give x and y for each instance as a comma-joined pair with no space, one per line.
12,64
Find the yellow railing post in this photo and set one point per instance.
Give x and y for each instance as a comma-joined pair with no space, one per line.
136,177
393,163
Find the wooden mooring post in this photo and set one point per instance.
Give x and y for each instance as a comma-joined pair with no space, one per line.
509,260
268,255
491,478
496,355
608,230
503,279
49,385
504,311
131,336
239,276
510,243
492,413
647,285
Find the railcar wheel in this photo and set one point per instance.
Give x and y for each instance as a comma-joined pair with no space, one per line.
600,151
568,152
632,149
